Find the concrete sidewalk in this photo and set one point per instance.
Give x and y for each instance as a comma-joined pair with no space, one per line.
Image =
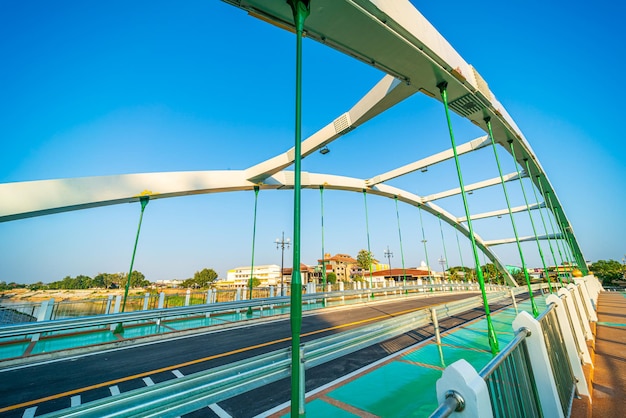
609,374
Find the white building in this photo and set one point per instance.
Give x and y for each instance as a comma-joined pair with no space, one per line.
268,274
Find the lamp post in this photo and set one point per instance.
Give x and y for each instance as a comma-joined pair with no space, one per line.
281,243
388,254
442,261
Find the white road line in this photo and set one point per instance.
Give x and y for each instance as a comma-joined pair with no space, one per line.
115,390
148,381
75,400
219,411
29,413
177,373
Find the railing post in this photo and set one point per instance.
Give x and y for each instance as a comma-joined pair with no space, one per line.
570,344
146,300
581,311
587,299
187,297
108,305
538,354
461,379
514,301
161,300
118,303
576,326
433,315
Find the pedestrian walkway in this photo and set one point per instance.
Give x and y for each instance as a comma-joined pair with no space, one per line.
405,385
609,374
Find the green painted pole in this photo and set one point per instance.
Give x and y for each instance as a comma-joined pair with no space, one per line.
367,229
566,239
556,240
419,210
508,205
301,10
323,253
144,202
543,222
458,244
532,222
443,242
256,198
400,238
491,334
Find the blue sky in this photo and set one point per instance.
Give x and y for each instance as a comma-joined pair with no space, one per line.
105,88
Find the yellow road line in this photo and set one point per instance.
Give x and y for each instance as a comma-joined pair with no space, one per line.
200,360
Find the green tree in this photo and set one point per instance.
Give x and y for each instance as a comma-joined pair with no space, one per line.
255,282
205,278
331,278
364,259
608,271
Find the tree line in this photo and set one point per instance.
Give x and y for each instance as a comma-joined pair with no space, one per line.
201,279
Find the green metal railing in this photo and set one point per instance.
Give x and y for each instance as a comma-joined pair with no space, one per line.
511,382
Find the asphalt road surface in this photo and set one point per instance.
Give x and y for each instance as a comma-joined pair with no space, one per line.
41,388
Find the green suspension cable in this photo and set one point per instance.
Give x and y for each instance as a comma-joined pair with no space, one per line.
144,202
419,209
301,10
567,245
400,238
458,244
556,241
543,221
493,341
443,242
367,229
574,256
485,265
532,222
323,253
256,199
508,205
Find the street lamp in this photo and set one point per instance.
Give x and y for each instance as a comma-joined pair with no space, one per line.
281,243
442,261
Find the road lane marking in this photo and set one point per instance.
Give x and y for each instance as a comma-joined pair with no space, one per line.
148,381
30,412
75,400
200,360
219,411
177,373
115,390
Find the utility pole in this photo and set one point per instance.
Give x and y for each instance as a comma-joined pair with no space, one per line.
281,243
388,254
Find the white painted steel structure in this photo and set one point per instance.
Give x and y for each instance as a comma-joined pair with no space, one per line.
390,35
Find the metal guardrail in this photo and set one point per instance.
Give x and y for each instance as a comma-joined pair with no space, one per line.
510,379
190,393
30,328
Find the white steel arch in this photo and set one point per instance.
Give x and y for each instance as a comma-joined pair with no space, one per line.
390,35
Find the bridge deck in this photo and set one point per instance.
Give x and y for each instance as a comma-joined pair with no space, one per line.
404,385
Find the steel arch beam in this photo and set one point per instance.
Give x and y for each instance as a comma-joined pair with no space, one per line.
39,198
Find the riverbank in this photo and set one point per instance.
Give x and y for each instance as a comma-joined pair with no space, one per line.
26,295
